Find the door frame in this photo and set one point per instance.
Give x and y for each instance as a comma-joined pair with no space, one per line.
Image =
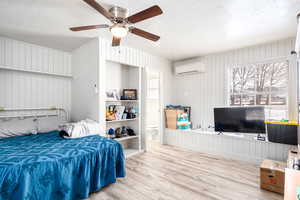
161,105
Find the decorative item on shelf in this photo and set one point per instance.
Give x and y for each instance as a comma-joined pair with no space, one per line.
124,116
112,95
118,132
126,112
130,132
129,94
131,113
119,111
110,113
111,133
124,131
131,116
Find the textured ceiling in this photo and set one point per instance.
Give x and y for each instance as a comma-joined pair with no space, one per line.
187,28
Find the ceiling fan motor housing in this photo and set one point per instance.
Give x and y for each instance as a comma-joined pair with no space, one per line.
119,13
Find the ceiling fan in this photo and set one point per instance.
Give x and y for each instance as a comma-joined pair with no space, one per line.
121,23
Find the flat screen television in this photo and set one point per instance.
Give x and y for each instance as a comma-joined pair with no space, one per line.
240,119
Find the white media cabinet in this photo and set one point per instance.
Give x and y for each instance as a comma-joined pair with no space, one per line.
239,147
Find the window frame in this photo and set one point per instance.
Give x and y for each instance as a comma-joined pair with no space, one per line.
229,90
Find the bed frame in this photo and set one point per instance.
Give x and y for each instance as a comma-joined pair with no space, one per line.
22,113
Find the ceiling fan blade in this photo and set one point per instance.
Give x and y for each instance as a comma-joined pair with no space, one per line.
116,41
83,28
99,8
145,14
144,34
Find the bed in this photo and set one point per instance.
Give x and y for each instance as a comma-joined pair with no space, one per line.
47,166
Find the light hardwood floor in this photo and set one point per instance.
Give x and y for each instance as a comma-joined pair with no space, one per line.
171,173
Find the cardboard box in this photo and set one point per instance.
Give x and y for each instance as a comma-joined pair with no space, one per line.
272,176
171,118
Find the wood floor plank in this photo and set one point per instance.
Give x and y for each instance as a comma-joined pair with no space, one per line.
172,173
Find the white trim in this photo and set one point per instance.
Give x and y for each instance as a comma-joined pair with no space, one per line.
293,89
161,124
34,71
120,101
131,152
122,120
161,102
141,110
126,138
292,72
143,107
264,61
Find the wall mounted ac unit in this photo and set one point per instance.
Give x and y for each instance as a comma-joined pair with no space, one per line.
188,68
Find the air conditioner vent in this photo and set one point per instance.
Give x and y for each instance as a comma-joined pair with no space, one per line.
183,69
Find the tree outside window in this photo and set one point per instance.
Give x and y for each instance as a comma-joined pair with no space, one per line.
261,85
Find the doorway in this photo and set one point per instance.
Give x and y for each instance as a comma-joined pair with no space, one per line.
153,110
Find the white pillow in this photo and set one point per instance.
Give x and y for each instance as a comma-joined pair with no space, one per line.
17,127
94,127
48,124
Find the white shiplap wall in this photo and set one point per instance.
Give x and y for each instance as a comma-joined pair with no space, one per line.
33,76
205,91
208,90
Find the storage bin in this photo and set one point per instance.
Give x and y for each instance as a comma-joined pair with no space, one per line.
282,132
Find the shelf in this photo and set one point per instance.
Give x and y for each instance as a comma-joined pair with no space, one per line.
35,72
126,138
122,120
120,101
131,152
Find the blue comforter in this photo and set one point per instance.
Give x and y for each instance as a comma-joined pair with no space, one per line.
46,166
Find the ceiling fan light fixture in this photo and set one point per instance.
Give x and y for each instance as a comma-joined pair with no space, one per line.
119,31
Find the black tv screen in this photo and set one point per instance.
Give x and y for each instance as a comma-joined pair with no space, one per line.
240,119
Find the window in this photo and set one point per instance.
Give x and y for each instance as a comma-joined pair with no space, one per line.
261,85
153,87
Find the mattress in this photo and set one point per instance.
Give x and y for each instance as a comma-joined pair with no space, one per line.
46,166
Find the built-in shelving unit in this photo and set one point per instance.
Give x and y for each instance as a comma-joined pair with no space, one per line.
125,77
109,68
